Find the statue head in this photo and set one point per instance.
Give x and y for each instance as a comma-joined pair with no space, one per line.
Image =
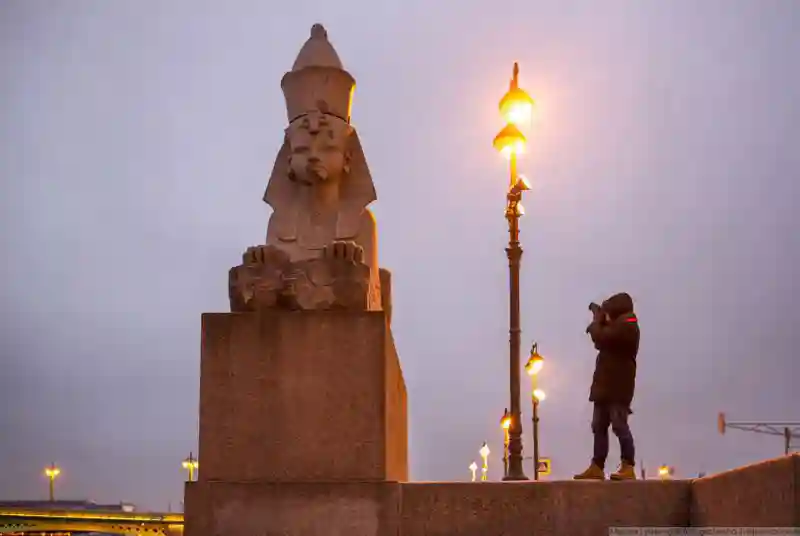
319,146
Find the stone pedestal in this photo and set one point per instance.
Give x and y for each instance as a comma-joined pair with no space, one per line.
302,423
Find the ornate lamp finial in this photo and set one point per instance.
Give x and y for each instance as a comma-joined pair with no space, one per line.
318,32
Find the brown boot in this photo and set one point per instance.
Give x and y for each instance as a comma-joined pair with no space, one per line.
626,472
594,472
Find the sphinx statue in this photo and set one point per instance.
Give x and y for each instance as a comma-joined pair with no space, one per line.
321,249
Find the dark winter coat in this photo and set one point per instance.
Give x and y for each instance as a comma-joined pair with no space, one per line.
617,341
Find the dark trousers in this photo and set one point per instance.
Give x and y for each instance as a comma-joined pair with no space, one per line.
616,416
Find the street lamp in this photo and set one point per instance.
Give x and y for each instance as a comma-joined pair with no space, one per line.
505,423
52,473
473,467
515,107
533,366
191,465
665,471
484,452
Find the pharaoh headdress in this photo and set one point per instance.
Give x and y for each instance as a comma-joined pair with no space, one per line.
319,82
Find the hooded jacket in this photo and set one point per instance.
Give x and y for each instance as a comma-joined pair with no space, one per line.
617,342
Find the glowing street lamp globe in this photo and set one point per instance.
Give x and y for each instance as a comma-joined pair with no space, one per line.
505,422
52,471
516,106
510,141
535,362
539,395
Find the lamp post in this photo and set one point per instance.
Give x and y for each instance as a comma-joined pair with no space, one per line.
484,452
505,423
515,106
532,367
473,468
52,473
191,465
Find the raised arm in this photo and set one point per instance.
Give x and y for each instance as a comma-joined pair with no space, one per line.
620,333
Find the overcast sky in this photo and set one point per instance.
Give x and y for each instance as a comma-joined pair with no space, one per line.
136,139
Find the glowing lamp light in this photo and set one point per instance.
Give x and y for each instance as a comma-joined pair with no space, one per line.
534,366
535,362
510,141
484,452
516,106
52,471
505,422
191,465
539,395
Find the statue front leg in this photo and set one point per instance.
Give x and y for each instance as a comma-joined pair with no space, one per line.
259,282
338,279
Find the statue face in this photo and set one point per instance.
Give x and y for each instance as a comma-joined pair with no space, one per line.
319,148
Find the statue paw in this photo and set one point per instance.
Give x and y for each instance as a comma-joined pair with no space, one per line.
345,250
264,255
258,282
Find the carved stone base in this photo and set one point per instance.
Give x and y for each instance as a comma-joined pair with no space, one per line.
269,280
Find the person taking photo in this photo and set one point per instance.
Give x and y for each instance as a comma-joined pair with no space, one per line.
615,333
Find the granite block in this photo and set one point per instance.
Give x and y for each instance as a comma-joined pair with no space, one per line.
301,396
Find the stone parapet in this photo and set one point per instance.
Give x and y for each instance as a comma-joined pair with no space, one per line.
565,508
295,509
760,495
765,494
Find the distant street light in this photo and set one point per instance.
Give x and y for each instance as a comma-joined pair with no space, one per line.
484,452
473,467
505,424
665,472
52,473
191,465
533,367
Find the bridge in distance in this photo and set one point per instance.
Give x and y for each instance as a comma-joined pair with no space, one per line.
18,521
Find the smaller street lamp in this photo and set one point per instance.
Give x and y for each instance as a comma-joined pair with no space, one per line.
473,467
505,424
191,465
533,367
52,473
665,472
484,452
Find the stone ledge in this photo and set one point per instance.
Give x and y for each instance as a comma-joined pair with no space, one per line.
764,494
296,509
543,508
